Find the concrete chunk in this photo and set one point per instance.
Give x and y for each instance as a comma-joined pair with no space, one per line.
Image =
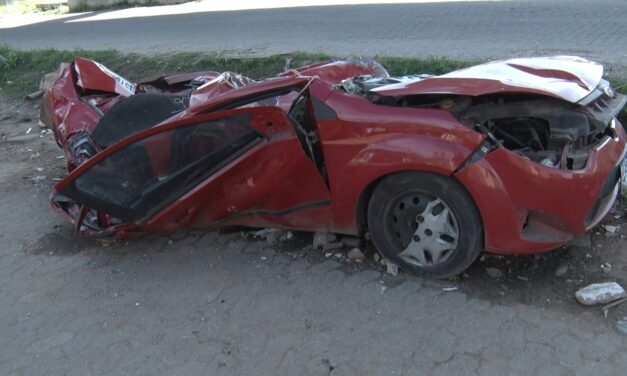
600,293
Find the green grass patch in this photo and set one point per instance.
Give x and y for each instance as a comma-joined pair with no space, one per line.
10,7
21,70
121,4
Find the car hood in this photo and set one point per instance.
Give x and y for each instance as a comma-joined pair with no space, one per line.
566,77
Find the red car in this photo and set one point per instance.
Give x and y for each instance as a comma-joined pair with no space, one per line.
514,156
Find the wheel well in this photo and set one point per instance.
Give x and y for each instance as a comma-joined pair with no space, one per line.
361,211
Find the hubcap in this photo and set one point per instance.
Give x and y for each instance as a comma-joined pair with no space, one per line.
427,228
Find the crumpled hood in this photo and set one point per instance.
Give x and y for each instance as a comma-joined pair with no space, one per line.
566,77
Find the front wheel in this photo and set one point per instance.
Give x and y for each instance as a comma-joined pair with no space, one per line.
425,223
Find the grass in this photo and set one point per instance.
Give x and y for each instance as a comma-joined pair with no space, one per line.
21,70
10,7
120,4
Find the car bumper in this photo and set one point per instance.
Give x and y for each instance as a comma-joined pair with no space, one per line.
528,208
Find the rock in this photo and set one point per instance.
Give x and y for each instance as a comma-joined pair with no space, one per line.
494,272
356,254
392,268
610,229
271,235
583,241
600,293
287,235
376,257
561,271
350,241
621,326
49,78
606,267
320,239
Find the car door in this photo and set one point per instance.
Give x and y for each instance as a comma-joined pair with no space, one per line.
237,166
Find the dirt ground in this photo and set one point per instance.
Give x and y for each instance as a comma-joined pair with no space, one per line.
202,302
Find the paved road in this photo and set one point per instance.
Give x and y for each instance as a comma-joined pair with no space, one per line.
481,29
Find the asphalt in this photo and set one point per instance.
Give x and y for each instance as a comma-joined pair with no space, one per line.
475,29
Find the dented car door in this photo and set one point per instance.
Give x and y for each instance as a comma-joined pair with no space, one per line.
228,167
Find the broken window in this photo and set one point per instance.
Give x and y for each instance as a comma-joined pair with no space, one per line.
149,174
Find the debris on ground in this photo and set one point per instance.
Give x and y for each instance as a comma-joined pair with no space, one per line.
49,78
561,271
335,245
392,268
606,267
494,272
270,235
356,254
321,239
352,242
449,289
610,229
600,293
583,241
616,303
34,95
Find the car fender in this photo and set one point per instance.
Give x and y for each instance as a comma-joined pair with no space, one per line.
395,154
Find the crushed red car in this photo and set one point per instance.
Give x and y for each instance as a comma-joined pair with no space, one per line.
514,156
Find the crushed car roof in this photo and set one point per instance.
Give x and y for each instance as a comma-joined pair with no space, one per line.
565,77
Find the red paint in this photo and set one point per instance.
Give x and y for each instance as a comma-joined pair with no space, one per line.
275,184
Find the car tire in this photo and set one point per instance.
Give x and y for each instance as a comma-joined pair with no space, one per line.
425,223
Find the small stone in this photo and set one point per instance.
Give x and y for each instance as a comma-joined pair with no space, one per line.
600,293
356,254
392,268
137,304
606,267
525,279
328,254
376,257
494,272
338,255
170,242
561,271
263,258
449,289
38,178
320,239
610,229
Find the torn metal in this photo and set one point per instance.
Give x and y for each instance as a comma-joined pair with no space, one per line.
305,149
